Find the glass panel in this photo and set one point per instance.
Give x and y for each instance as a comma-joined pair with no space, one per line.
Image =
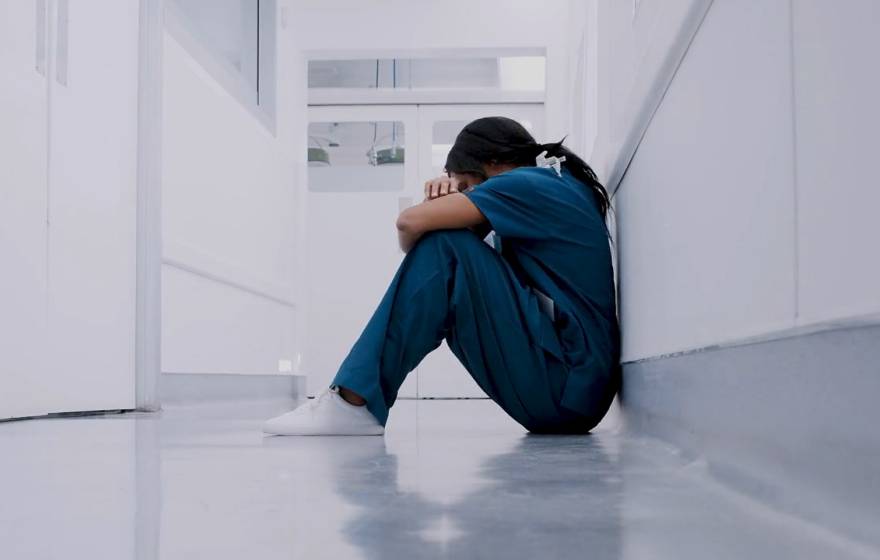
227,30
356,156
509,73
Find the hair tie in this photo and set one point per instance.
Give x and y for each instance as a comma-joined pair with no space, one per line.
552,162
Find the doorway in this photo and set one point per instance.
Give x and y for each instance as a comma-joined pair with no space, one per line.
366,164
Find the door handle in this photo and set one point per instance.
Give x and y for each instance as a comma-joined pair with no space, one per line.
40,37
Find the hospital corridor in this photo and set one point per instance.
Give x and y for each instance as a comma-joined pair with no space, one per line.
466,279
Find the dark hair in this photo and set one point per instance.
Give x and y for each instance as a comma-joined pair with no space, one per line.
503,140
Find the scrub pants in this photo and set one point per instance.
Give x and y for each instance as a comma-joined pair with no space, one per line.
451,285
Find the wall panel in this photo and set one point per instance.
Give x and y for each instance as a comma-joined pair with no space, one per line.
93,206
837,86
230,221
706,217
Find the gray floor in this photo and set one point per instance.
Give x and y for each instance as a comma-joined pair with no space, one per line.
450,479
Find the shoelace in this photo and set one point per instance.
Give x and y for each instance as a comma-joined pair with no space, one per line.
322,395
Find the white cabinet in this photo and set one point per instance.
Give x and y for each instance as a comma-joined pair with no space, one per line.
23,203
68,104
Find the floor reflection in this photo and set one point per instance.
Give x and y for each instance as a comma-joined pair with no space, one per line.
550,497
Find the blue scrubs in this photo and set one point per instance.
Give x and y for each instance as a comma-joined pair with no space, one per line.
552,370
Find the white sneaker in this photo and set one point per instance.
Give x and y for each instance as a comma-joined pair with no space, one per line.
328,414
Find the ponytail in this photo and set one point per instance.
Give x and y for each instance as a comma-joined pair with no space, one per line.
581,171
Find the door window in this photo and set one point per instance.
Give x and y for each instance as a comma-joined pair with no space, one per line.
356,156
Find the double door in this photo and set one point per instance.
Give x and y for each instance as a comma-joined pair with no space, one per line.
68,141
366,164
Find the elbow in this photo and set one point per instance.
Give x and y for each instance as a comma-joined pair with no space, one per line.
405,223
407,231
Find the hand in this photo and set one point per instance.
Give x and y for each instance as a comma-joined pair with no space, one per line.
441,186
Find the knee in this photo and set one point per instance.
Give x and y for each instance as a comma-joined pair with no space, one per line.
448,235
449,240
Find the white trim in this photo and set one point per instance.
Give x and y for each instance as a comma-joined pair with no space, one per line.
192,260
196,388
371,54
148,316
655,87
387,96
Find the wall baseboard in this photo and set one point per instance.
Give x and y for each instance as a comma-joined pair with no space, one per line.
791,421
200,388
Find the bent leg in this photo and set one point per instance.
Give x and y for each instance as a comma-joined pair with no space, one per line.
453,286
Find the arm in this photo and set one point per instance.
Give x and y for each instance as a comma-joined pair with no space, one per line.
453,211
483,228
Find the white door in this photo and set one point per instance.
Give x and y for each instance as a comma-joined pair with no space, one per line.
441,374
23,164
361,174
93,83
352,205
68,108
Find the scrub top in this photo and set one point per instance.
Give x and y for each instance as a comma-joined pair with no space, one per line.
554,239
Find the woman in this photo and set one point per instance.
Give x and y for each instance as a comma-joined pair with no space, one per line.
533,322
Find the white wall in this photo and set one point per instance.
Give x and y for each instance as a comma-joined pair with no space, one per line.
747,208
706,221
837,85
230,219
632,49
579,83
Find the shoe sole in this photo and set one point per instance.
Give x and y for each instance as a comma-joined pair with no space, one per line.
317,433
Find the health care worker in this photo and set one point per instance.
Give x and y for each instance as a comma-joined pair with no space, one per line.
533,320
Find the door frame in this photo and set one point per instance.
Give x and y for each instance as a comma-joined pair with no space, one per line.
148,313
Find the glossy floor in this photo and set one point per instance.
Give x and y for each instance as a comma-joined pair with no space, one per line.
450,479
